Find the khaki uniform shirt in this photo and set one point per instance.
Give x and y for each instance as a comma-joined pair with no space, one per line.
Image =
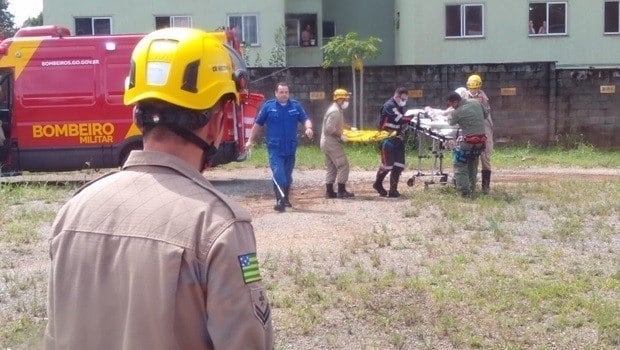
153,257
481,97
333,123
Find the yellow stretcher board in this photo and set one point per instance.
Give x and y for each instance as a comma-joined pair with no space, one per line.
365,135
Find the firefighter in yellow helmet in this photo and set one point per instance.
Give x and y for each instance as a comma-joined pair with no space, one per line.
336,162
474,90
153,256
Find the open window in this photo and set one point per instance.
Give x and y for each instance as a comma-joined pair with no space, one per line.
548,18
329,31
173,21
246,26
301,30
464,21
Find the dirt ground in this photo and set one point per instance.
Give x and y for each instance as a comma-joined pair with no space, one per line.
314,221
319,223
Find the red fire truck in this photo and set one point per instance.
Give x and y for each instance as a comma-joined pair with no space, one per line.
61,104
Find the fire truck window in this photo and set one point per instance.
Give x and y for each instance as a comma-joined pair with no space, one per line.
115,72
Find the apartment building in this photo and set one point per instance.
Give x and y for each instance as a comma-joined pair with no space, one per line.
573,33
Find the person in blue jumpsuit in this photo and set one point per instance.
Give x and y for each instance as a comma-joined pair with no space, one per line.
281,116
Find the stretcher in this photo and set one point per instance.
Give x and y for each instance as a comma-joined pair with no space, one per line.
354,135
432,132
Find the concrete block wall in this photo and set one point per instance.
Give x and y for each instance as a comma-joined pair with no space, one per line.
548,105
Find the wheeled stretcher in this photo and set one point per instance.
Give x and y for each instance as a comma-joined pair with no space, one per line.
432,128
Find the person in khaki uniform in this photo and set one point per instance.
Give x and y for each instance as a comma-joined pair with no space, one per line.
331,144
153,256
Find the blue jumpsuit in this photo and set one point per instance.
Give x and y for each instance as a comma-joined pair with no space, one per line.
392,148
281,122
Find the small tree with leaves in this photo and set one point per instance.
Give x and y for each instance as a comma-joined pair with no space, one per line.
245,53
258,61
277,55
348,49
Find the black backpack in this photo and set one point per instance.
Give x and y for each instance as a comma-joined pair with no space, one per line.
381,118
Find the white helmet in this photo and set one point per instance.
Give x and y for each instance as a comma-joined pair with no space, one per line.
461,91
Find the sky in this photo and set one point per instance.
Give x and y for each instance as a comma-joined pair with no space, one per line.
23,9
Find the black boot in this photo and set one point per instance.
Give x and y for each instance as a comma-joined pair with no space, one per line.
279,200
342,192
329,191
486,181
378,185
287,190
394,177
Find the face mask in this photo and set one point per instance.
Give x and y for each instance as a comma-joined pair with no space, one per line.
345,105
402,103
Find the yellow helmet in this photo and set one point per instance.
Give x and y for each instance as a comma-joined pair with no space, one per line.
341,93
183,66
474,82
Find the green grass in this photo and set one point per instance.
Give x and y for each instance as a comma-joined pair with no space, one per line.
475,275
26,211
25,208
366,156
583,156
507,287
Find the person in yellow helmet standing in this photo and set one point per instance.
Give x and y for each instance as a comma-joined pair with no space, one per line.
331,144
474,90
153,256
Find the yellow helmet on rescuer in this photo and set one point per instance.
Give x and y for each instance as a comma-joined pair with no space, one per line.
182,66
474,82
341,93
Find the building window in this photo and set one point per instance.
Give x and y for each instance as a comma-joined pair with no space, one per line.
329,29
612,14
93,26
246,26
292,32
301,29
173,21
548,18
466,20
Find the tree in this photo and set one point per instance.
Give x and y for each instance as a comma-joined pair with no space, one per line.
348,49
34,21
7,23
258,61
277,57
245,53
